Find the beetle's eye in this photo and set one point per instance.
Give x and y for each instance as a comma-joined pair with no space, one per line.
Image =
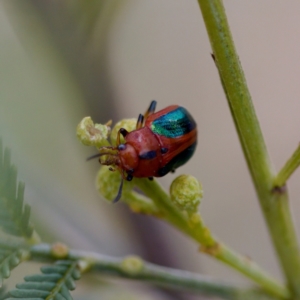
122,147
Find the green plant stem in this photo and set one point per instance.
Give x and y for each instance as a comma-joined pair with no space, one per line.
274,204
154,274
288,169
209,244
139,204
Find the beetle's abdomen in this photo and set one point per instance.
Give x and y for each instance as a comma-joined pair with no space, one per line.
176,131
174,124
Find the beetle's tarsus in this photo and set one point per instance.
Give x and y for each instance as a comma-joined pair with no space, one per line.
140,121
151,108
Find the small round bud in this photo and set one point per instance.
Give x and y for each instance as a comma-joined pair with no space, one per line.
132,265
186,193
91,134
128,124
108,183
59,250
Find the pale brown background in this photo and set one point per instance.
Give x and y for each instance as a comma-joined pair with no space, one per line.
150,50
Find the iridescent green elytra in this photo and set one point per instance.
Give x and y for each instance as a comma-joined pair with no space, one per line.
174,124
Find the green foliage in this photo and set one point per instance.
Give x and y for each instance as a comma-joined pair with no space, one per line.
53,284
9,259
14,216
55,280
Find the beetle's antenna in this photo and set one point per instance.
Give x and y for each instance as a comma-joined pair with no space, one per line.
93,156
100,154
119,195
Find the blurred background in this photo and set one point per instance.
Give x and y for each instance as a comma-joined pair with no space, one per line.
63,60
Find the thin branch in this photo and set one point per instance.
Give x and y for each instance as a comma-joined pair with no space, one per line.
209,244
288,169
139,204
274,205
190,223
135,268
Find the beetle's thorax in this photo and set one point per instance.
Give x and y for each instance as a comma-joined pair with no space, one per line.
140,155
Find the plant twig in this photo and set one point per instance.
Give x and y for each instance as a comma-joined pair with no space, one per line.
181,214
138,204
274,205
288,169
135,268
209,244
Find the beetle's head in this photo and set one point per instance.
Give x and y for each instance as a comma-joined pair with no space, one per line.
128,157
123,157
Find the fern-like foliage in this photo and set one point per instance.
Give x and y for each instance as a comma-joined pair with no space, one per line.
14,215
9,259
53,284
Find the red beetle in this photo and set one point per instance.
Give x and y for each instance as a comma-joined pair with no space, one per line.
162,142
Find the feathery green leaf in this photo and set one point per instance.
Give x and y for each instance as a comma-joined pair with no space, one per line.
14,215
53,284
9,259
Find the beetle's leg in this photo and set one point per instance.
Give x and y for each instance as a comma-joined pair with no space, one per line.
151,109
129,177
122,131
150,178
140,121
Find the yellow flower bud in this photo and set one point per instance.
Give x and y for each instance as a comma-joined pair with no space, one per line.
128,124
186,193
91,134
108,183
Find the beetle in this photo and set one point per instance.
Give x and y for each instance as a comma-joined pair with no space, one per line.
161,142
